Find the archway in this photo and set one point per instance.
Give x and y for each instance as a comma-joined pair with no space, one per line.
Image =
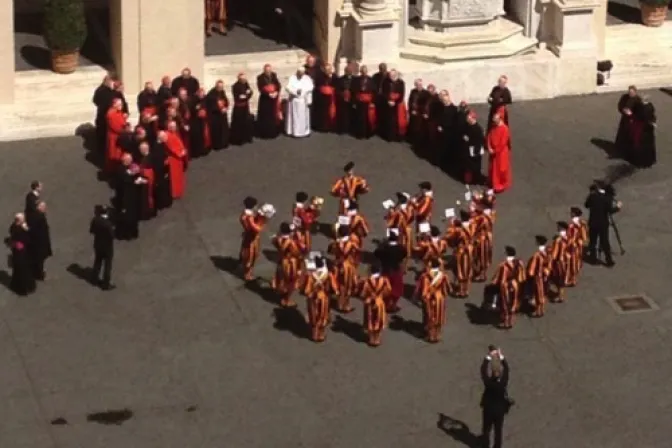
31,52
260,25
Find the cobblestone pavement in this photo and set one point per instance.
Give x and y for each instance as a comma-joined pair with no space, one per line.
200,360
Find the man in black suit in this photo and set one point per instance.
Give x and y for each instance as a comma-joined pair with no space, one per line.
601,204
495,399
391,257
40,239
102,230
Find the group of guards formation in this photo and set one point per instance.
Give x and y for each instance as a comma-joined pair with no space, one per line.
452,258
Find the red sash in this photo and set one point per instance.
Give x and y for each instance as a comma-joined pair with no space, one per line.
367,98
221,104
241,104
636,130
203,115
402,118
329,91
270,88
148,173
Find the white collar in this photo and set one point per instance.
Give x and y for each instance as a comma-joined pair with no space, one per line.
510,259
429,194
392,243
600,190
248,212
299,205
344,239
435,271
466,223
576,219
35,192
403,206
352,213
375,276
542,249
435,239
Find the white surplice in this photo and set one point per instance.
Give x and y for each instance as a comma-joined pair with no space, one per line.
297,120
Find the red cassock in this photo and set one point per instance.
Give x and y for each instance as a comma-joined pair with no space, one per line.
148,173
499,141
176,164
116,122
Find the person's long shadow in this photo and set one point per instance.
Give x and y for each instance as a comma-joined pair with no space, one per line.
93,155
6,279
410,327
478,316
324,229
271,255
351,329
459,431
231,266
83,273
608,146
292,321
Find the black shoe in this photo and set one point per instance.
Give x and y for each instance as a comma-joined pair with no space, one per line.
610,263
108,287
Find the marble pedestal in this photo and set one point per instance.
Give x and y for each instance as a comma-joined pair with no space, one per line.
573,40
447,16
373,35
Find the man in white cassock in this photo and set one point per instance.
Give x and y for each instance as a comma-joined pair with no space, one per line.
300,89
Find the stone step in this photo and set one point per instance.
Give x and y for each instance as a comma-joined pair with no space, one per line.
514,45
652,78
496,31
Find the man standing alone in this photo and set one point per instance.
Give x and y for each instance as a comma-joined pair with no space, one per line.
102,230
495,400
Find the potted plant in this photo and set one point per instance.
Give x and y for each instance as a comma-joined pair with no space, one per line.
64,33
654,12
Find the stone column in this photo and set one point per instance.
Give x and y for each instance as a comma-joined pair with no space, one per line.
143,45
7,52
371,7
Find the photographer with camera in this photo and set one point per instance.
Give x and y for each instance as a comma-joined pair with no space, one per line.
602,203
495,400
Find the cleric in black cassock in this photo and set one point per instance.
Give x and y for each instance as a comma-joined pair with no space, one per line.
392,116
447,147
472,148
500,95
345,108
324,108
364,92
199,129
269,110
627,104
40,239
644,142
218,106
242,124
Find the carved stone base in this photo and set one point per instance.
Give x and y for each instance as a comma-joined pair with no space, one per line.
454,15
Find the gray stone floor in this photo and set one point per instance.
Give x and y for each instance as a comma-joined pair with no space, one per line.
203,361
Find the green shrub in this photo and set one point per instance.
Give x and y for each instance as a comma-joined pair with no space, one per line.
64,24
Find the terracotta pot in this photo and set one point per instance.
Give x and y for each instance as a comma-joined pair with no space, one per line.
653,15
64,61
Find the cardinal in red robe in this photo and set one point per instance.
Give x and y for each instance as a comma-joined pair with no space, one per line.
116,124
499,146
177,155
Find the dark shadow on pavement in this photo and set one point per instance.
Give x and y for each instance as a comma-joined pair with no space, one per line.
266,293
624,13
93,155
608,146
459,431
83,273
351,329
227,264
411,327
6,279
291,320
479,316
325,229
667,90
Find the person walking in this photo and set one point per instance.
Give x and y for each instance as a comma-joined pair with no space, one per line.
495,400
